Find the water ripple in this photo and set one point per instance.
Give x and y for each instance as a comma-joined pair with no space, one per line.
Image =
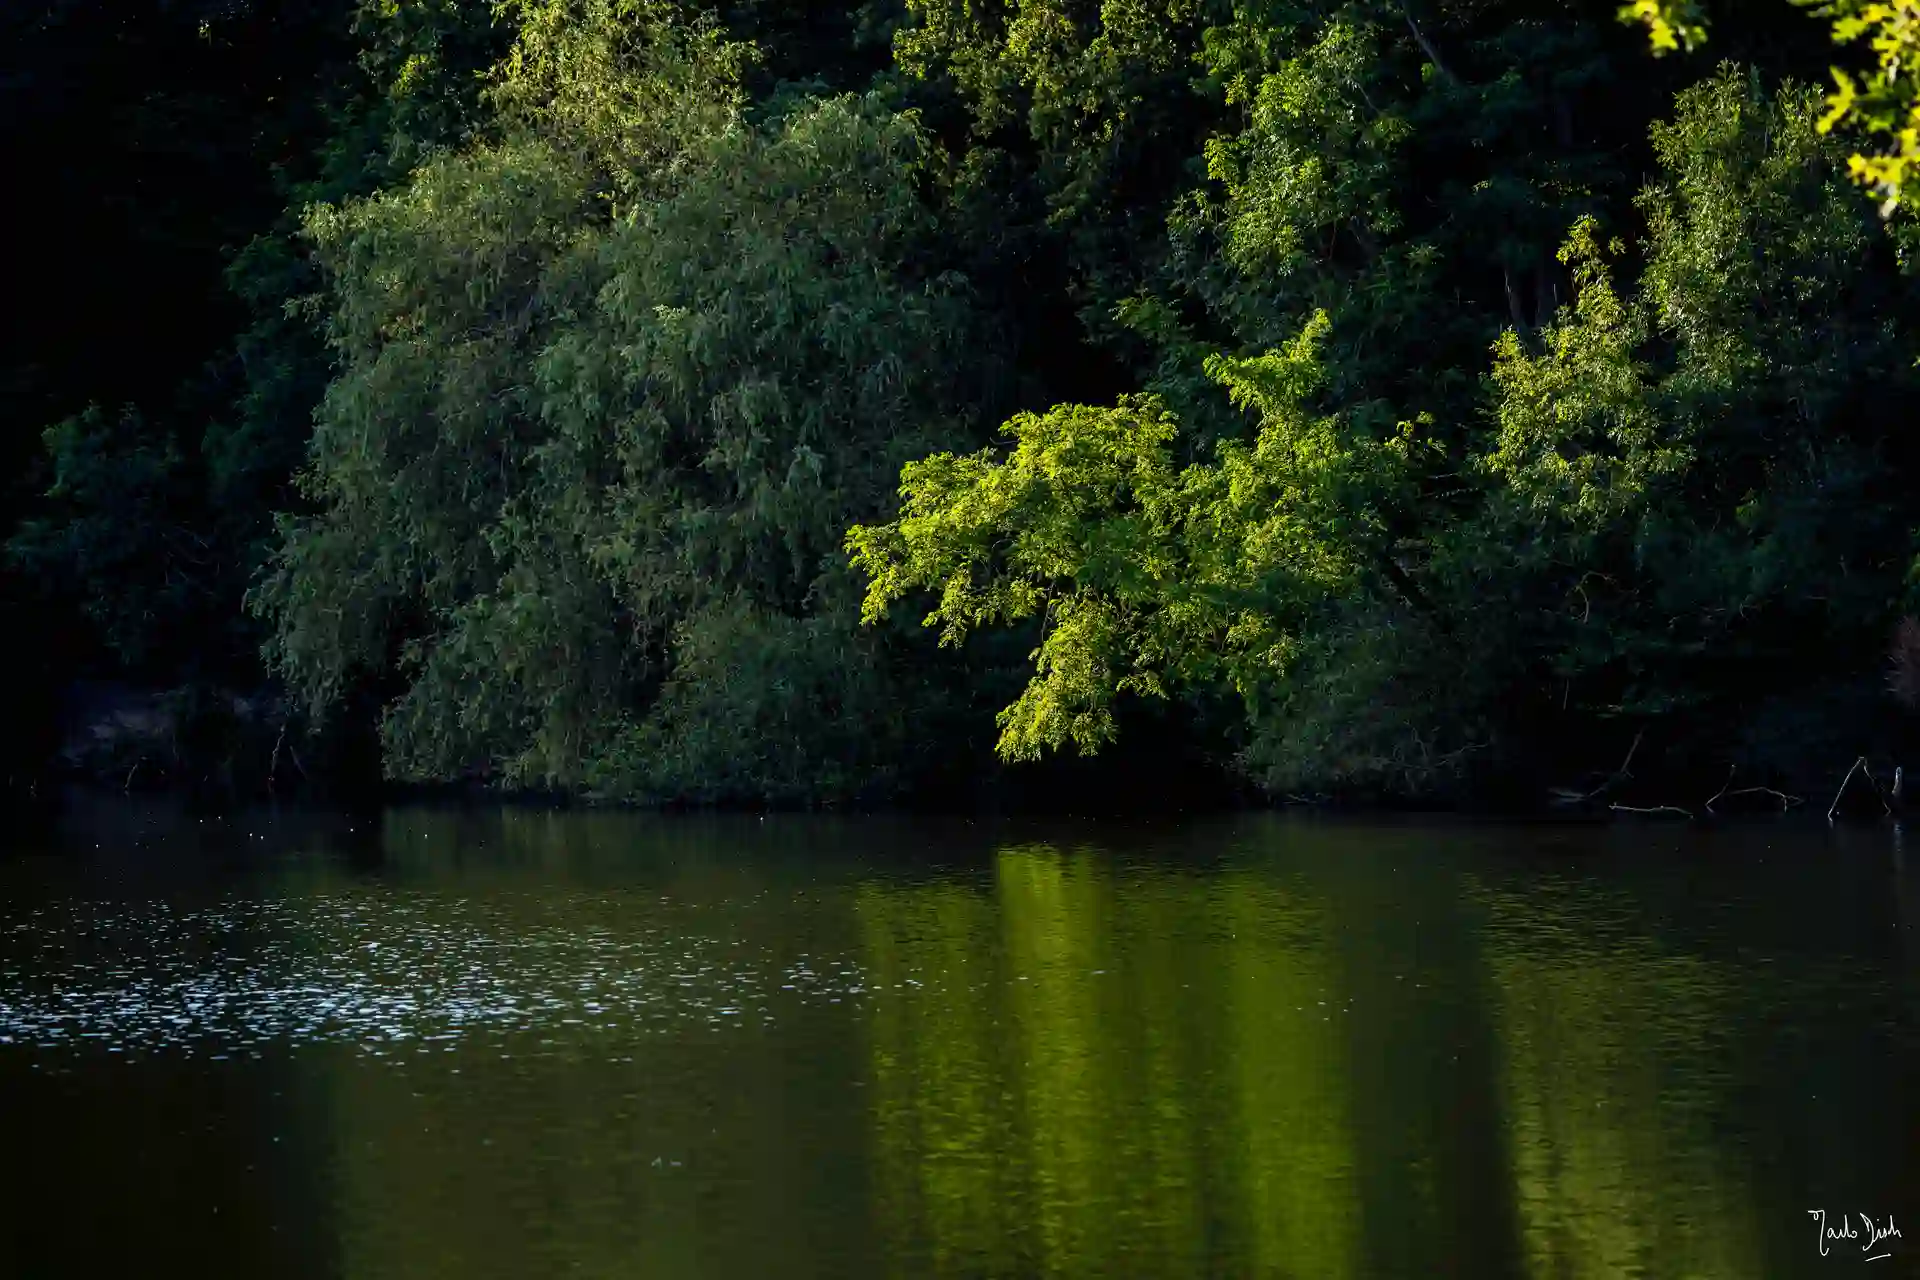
382,975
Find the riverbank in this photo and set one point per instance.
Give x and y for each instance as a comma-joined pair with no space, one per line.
220,748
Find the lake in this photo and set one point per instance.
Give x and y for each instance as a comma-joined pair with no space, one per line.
507,1042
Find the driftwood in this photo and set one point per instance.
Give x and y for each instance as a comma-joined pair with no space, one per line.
1569,796
1859,766
1658,808
1727,790
1786,801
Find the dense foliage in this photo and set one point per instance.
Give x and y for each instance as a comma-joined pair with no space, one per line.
1398,400
1884,103
609,392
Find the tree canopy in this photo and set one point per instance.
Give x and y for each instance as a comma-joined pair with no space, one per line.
1384,399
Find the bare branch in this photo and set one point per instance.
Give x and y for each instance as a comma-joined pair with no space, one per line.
1723,788
1658,808
1786,801
1513,303
1625,770
1859,766
1426,45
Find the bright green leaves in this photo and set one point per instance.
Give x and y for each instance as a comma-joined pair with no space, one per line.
1080,522
1580,434
1652,470
1695,462
1314,157
624,86
1314,154
1755,256
1067,66
1418,207
1672,25
1885,103
1760,241
1144,574
1069,468
1310,500
615,367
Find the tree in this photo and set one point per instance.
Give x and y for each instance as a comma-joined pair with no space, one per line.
1885,103
609,389
1655,502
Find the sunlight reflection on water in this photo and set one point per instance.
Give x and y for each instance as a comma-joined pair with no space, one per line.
386,974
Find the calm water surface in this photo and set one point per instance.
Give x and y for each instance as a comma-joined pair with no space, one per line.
519,1044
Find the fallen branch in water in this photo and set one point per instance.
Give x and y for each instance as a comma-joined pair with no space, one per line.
1568,796
1624,771
1658,808
1859,766
1786,801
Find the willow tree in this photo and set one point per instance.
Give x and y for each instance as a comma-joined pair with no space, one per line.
610,385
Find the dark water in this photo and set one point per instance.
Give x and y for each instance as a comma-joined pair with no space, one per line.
521,1044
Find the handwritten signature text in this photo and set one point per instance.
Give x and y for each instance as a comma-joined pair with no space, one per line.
1872,1237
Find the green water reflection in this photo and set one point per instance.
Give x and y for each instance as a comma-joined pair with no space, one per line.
526,1044
1107,1074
